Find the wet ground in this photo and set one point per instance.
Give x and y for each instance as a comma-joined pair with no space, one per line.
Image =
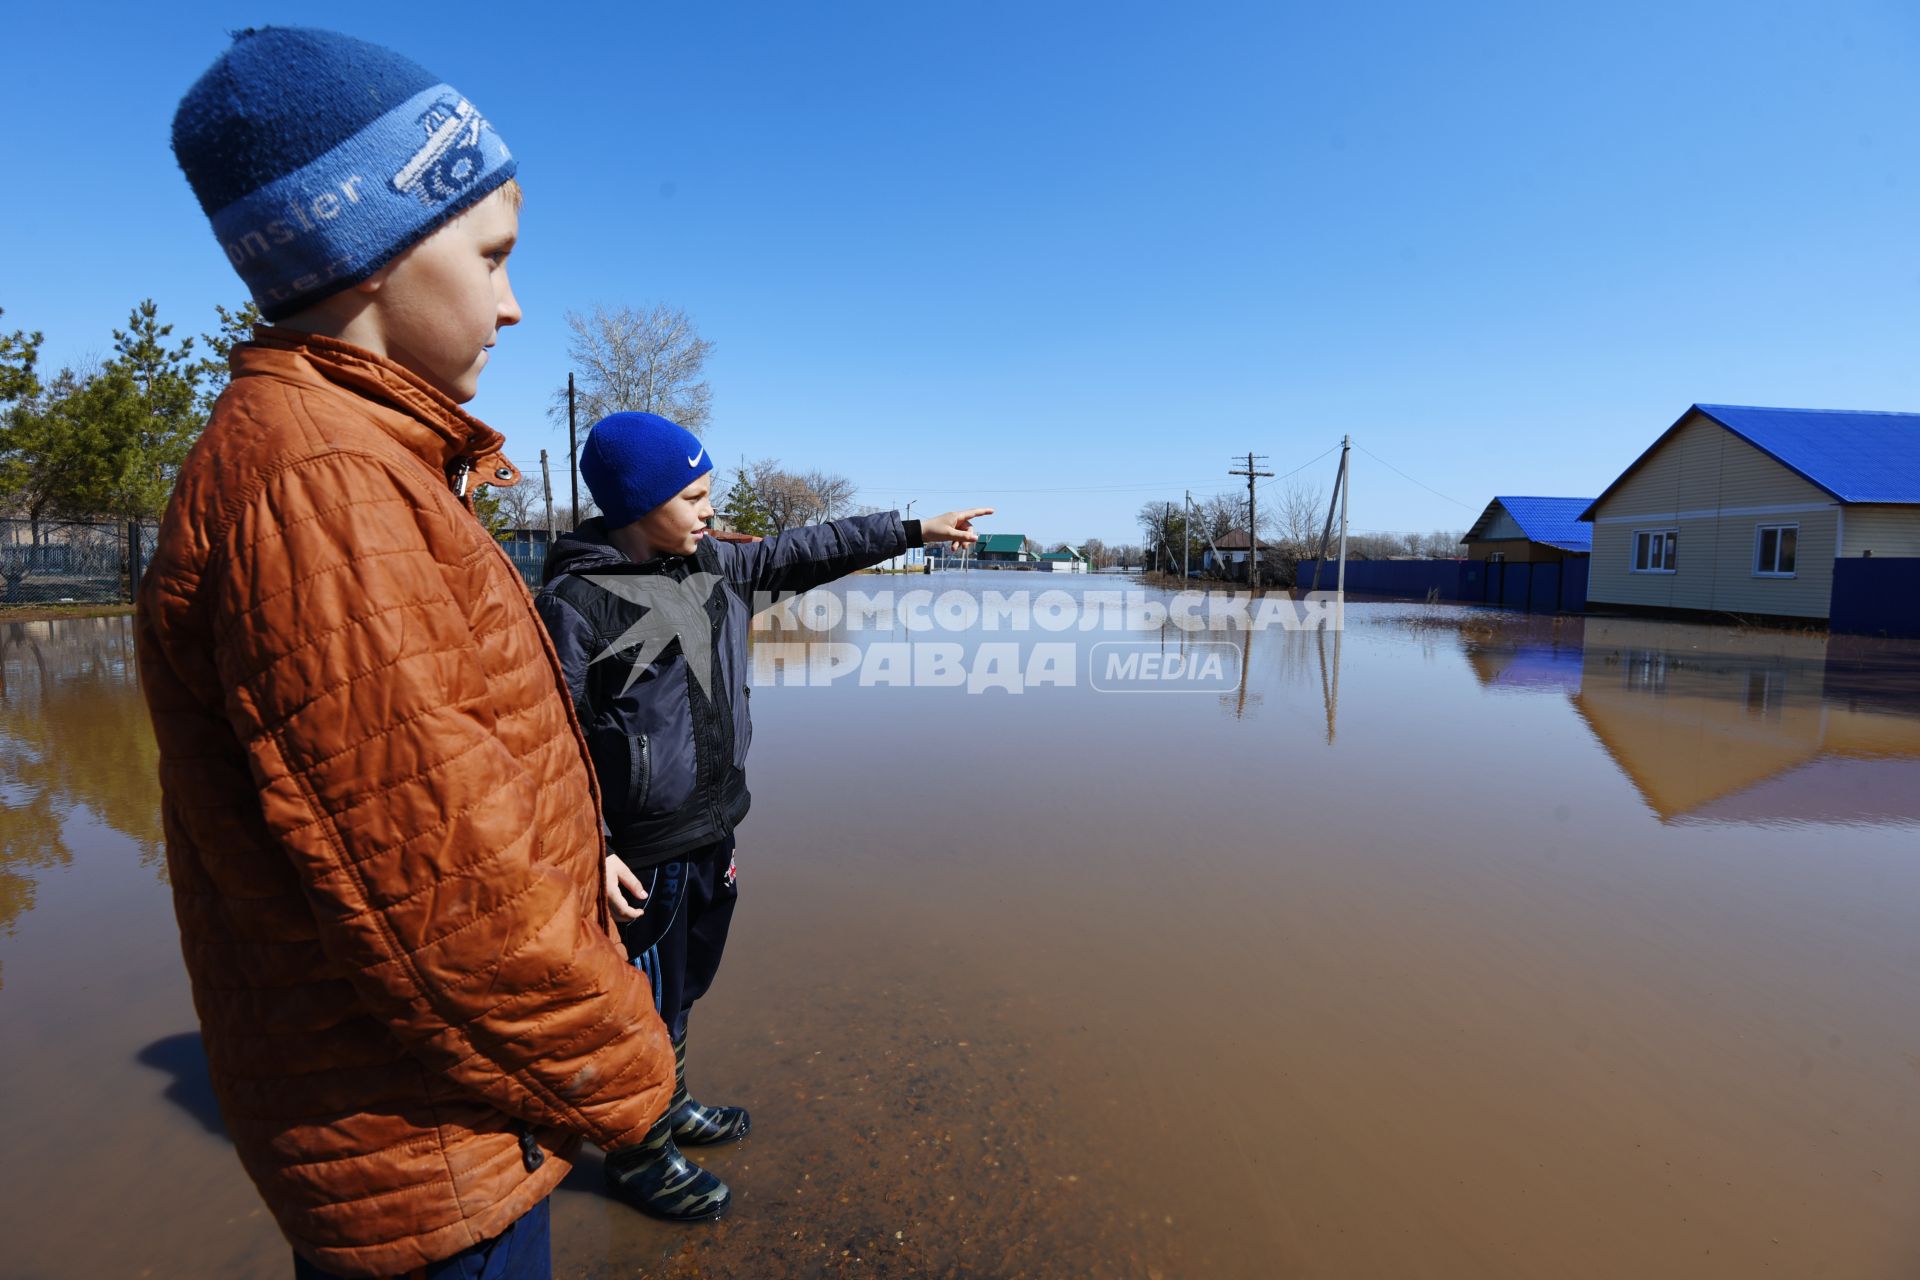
1458,944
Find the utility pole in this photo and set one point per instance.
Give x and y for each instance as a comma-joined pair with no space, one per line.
546,490
1335,503
1186,538
1253,519
1346,485
573,452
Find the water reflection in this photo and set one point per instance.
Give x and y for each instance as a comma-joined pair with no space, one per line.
1715,725
73,732
1486,928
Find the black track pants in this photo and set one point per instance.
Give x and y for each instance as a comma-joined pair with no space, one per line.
678,942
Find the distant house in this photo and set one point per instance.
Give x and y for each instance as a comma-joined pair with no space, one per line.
1003,548
1530,529
1528,553
1233,546
1768,512
1068,561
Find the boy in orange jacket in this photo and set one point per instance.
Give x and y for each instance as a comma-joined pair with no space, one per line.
382,826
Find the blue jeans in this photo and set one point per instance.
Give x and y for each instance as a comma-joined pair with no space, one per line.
524,1251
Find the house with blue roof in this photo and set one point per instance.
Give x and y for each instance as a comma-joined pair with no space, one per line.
1782,513
1530,529
1528,553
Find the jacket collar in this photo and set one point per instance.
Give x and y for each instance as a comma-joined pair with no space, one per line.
588,549
417,415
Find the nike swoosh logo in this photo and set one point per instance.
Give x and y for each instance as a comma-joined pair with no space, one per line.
694,461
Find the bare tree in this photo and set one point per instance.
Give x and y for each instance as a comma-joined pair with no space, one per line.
628,359
789,499
831,496
1163,525
1299,514
782,494
516,503
1218,516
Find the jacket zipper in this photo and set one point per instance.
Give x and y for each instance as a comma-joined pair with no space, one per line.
530,1153
460,480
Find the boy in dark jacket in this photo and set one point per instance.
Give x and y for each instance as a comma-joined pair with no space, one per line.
665,603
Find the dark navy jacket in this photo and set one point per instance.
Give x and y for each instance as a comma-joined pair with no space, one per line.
671,748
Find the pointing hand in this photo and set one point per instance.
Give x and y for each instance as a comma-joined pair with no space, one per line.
952,526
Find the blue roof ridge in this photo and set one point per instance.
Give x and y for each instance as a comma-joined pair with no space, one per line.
1536,497
1777,408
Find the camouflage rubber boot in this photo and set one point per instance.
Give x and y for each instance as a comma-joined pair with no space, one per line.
697,1125
656,1179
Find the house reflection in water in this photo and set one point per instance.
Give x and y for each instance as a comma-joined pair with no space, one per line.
1721,726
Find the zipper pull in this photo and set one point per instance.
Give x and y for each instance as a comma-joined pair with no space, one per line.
530,1153
462,477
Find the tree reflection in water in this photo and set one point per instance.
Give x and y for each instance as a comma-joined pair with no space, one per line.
73,735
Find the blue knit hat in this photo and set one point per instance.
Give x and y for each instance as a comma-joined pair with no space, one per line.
320,158
633,462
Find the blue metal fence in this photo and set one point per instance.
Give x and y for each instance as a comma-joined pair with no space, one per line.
527,557
1544,587
1412,579
1880,596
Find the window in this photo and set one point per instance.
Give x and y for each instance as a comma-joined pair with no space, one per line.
1496,557
1774,549
1656,550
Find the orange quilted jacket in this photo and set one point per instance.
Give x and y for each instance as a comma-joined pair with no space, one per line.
382,829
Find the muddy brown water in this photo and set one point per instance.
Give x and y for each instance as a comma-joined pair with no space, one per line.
1458,944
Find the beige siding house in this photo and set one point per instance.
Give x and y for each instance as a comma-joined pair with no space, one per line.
1738,510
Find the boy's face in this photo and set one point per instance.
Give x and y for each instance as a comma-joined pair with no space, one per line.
676,526
441,304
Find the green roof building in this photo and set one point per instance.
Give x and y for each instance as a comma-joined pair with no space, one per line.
1010,547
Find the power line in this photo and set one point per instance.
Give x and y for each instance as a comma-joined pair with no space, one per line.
1160,485
1297,470
1410,480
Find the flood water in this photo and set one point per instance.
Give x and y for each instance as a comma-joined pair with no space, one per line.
1455,944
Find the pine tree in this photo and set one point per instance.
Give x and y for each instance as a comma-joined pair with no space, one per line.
19,354
235,327
36,465
743,508
490,511
149,446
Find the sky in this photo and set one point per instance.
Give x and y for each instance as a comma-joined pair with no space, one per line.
1067,259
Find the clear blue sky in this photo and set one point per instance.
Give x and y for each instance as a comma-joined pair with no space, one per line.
1067,258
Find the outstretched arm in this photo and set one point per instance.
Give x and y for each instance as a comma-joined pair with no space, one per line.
811,555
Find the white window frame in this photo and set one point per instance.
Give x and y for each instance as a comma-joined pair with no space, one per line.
1633,551
1759,531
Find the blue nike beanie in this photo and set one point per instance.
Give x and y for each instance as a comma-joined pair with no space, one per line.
319,158
633,462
